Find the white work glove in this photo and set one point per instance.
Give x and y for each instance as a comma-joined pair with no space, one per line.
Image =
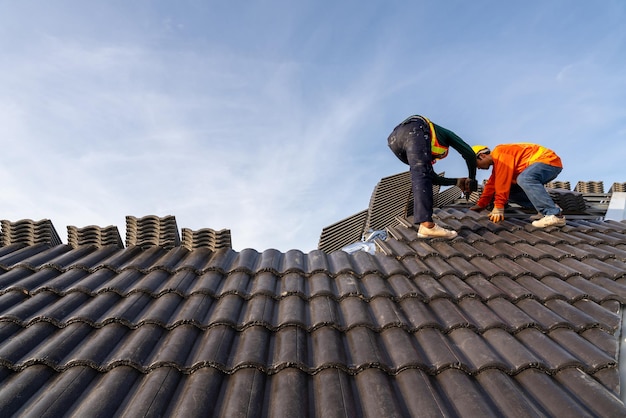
496,215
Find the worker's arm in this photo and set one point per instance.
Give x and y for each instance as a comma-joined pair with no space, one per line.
449,138
503,178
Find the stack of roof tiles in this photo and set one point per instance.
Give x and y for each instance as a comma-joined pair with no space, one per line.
504,320
29,232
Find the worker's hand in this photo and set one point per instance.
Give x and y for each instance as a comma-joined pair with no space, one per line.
497,215
477,208
463,183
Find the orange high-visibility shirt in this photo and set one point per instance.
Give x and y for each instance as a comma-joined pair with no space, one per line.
509,160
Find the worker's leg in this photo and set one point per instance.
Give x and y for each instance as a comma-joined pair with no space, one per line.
532,181
517,195
411,144
420,162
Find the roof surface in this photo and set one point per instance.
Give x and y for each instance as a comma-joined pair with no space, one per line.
504,320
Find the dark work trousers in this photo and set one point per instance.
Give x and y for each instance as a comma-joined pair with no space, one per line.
517,195
410,141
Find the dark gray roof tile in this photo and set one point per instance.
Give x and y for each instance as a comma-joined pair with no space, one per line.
373,285
419,315
436,350
448,314
395,248
258,310
469,251
591,393
415,267
552,355
323,312
465,397
487,267
549,395
603,315
572,314
484,287
609,378
558,268
615,268
540,268
563,250
293,284
292,310
510,267
476,350
564,288
30,308
423,249
538,289
513,318
508,395
354,313
516,356
457,288
420,394
479,314
617,289
438,266
23,386
602,340
586,352
327,349
542,315
594,292
403,287
510,288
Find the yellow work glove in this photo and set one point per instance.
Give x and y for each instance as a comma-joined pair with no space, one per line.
496,215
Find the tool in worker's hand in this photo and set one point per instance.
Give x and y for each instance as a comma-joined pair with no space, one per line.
472,187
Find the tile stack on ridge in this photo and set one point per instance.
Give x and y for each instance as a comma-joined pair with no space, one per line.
206,238
94,235
504,320
590,187
152,230
559,185
29,232
618,187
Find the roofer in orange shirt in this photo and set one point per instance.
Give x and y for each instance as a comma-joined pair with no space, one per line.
520,172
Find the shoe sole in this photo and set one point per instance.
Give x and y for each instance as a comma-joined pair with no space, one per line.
437,236
545,226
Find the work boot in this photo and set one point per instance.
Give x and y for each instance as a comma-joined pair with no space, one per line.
536,217
549,220
435,232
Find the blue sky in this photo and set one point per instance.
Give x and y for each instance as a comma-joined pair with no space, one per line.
270,118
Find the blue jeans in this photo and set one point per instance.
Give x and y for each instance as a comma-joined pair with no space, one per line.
531,182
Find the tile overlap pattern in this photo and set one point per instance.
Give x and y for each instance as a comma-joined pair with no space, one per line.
505,320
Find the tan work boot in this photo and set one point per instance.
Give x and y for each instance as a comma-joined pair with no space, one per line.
435,232
549,220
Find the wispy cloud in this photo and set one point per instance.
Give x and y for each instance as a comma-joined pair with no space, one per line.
276,131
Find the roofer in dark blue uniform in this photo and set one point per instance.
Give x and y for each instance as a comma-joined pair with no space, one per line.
420,143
